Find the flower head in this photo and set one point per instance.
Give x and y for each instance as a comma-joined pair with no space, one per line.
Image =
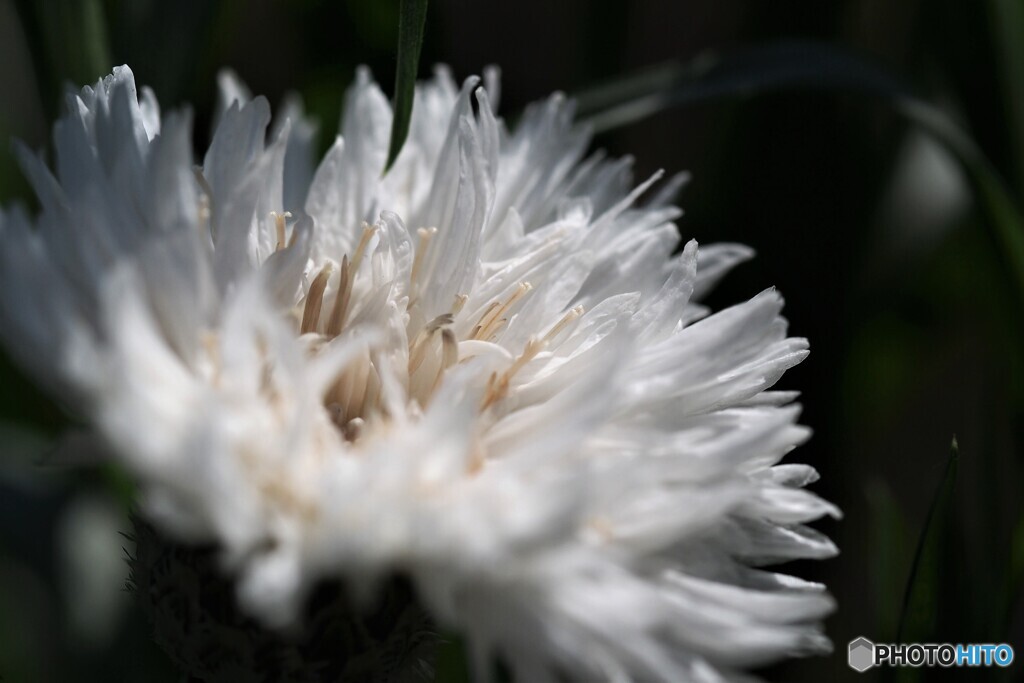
484,370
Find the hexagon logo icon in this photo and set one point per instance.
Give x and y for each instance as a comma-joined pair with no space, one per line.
862,654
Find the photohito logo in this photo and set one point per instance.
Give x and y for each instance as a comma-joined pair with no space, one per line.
863,654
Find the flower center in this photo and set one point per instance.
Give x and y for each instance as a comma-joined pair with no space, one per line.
357,399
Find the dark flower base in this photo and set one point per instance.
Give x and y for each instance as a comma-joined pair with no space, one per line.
192,608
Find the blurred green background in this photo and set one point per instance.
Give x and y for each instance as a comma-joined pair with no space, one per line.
885,250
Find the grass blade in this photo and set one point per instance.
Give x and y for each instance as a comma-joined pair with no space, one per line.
748,71
921,597
412,18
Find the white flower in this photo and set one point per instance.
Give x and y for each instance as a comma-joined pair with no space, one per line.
484,370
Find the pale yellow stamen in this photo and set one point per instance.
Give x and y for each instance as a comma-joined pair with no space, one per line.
533,347
341,301
285,494
278,487
279,226
211,344
449,355
491,321
417,263
439,322
418,348
460,303
205,212
315,300
371,402
354,428
347,394
477,458
204,215
569,317
450,346
497,385
204,185
357,388
475,334
364,241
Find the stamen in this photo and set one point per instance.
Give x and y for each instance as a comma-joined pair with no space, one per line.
460,302
357,388
421,250
449,355
337,395
492,321
315,300
267,382
497,386
371,402
279,225
205,212
364,241
212,346
450,349
477,458
533,347
204,185
341,301
492,394
569,317
479,326
418,348
439,322
283,493
353,428
204,216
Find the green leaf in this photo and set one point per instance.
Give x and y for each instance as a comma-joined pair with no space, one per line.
412,18
922,595
778,66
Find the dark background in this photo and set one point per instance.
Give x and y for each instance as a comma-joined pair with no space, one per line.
866,225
